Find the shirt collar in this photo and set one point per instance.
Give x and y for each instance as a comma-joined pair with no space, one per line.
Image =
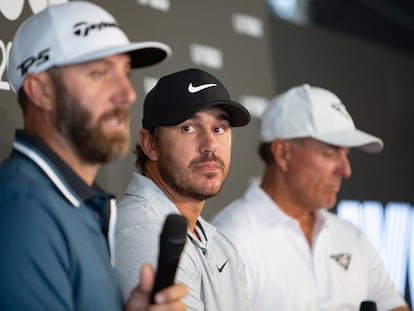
36,149
271,214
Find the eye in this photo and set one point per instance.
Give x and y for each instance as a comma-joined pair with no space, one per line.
128,73
188,129
220,130
331,152
98,73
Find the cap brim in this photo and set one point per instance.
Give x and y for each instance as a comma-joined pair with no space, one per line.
143,54
352,138
149,53
239,115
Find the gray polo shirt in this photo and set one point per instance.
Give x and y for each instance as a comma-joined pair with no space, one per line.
211,268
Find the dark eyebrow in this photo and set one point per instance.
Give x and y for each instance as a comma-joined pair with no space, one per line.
224,116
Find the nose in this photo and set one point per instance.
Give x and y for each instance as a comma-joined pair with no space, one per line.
345,165
208,142
125,93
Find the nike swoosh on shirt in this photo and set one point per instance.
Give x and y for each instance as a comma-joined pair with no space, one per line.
195,89
222,267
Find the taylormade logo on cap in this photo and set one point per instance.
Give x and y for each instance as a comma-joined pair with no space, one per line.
80,29
71,33
306,111
83,28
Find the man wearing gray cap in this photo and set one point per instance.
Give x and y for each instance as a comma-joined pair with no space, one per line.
184,156
299,256
69,65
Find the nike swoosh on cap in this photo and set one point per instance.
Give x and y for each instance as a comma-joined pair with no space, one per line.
195,89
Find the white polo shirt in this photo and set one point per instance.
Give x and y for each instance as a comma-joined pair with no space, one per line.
284,273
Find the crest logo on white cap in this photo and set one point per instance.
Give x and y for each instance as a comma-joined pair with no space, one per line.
341,109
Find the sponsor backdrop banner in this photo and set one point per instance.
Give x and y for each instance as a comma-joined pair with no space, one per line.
256,55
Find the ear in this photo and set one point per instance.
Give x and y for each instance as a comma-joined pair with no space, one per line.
281,153
146,139
39,88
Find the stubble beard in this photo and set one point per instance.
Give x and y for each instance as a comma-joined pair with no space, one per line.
90,142
181,181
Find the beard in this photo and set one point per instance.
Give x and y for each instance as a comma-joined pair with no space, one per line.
180,180
89,140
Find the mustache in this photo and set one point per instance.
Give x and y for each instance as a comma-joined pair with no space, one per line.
117,112
208,157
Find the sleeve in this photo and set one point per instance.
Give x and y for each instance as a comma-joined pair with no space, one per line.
135,245
231,226
381,288
245,290
34,262
187,274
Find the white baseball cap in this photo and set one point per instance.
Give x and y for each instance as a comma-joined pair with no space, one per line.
306,111
71,33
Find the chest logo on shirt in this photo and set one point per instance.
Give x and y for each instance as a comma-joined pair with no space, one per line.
343,259
222,267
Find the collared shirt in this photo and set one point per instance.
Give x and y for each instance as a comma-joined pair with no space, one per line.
285,273
54,253
209,266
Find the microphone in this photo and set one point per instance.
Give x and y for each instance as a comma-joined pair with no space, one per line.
368,305
172,241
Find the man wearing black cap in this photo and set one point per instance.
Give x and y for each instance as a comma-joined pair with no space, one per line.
184,154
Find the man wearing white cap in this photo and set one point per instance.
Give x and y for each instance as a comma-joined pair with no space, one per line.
69,65
299,256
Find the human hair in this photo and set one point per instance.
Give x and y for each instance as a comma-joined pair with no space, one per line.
265,153
142,158
265,149
24,100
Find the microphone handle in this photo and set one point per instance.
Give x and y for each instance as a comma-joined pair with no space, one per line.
368,305
172,241
164,277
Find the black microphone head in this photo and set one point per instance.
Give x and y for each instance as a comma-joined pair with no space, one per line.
173,236
174,226
368,305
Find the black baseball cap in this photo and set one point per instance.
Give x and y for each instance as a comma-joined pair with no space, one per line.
178,96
